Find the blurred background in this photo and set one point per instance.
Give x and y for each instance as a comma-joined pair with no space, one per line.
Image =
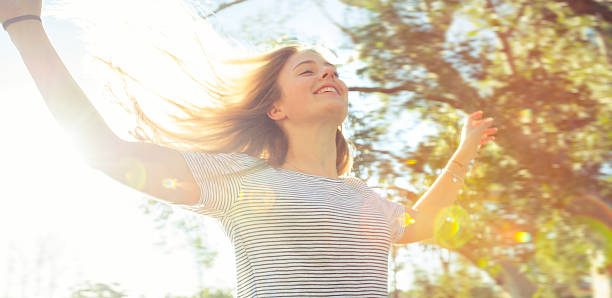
534,218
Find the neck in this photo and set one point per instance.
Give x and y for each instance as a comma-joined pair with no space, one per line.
312,150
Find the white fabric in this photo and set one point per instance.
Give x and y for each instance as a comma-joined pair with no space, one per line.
296,234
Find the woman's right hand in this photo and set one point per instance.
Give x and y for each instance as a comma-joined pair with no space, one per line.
14,8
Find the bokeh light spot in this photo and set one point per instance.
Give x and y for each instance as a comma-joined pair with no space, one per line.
453,227
522,237
525,116
482,262
411,161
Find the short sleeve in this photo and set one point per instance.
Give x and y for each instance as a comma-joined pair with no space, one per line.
219,177
402,217
396,213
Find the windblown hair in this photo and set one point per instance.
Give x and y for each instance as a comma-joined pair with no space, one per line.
239,121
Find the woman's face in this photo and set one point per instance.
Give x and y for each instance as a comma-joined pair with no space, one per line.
304,100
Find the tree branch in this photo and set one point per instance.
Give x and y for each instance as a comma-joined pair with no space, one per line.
224,6
369,148
591,7
383,90
408,87
518,17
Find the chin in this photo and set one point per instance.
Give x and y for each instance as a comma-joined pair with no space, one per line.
336,111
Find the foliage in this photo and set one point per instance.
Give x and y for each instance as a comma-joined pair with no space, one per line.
542,70
460,283
208,293
167,220
102,290
97,290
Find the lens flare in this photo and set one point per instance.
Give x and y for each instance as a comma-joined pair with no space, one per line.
135,173
522,237
406,219
169,183
261,201
453,227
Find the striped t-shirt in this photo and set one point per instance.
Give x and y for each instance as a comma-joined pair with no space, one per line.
295,234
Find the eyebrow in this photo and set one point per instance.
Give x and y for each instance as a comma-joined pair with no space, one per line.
312,61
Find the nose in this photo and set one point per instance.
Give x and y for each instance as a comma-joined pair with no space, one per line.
328,72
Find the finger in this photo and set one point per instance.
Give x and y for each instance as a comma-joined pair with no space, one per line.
487,122
477,123
475,115
487,139
492,130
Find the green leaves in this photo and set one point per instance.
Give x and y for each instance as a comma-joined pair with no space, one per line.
542,71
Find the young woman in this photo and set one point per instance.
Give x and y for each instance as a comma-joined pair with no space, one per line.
272,168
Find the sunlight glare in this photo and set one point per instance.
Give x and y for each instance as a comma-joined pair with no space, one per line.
165,62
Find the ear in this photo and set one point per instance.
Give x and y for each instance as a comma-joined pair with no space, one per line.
276,113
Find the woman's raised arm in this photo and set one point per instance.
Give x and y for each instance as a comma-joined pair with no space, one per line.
66,101
71,108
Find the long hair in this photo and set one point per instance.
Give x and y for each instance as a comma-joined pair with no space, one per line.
227,111
238,122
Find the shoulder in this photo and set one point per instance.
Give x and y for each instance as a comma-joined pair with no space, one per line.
244,158
358,184
223,163
239,157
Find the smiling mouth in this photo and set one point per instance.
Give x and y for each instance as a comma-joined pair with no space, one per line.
330,90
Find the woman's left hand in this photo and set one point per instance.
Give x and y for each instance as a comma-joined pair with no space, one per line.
475,133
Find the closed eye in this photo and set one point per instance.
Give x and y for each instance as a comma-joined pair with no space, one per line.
335,73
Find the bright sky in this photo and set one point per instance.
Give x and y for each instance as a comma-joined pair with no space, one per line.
61,221
92,226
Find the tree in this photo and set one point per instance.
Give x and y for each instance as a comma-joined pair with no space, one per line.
460,282
541,70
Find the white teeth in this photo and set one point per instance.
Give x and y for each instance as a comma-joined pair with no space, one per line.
327,89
